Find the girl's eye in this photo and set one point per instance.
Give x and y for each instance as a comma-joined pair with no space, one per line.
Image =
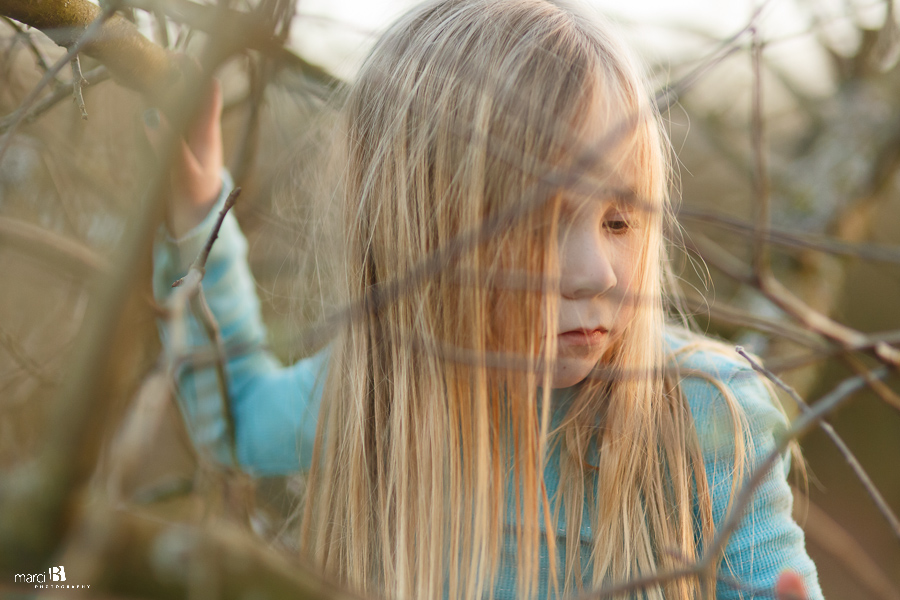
616,226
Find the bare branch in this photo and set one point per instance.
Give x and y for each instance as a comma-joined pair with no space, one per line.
130,555
38,55
790,239
199,263
208,320
56,251
665,98
134,60
92,30
851,459
828,535
21,357
37,500
77,81
92,77
256,30
190,291
801,425
761,175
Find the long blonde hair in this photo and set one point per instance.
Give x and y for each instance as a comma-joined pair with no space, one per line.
464,125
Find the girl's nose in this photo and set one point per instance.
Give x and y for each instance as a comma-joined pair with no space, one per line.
586,266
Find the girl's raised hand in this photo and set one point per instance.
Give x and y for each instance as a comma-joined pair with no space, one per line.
195,179
790,587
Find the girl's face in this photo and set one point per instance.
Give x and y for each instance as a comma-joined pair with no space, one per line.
599,250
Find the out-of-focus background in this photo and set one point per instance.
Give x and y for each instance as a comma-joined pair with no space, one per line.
70,189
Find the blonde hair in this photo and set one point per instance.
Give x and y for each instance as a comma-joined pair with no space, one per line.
465,123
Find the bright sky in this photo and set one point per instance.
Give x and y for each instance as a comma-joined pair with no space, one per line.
337,33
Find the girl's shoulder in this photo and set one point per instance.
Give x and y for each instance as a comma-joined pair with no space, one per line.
721,389
701,356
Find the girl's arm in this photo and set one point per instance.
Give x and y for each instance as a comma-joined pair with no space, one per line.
767,541
274,408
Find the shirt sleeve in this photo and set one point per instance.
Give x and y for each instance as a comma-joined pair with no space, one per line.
274,408
767,540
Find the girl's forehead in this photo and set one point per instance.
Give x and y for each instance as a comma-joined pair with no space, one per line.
610,157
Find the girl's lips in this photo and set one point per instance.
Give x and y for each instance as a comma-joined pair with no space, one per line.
584,337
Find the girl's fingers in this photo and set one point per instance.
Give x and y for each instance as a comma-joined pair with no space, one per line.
186,168
205,135
790,587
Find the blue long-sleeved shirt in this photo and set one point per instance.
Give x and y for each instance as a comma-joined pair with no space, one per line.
275,411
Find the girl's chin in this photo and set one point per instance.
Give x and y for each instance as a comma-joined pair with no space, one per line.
572,371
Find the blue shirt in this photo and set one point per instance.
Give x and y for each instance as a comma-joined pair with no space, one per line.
275,411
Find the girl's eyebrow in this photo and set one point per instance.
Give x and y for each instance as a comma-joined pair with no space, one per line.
621,197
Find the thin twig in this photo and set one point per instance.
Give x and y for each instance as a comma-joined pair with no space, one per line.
851,459
162,27
792,239
64,254
38,500
830,537
802,424
259,36
208,320
20,113
21,357
38,55
886,394
77,81
200,262
761,177
92,77
244,157
783,298
669,95
190,291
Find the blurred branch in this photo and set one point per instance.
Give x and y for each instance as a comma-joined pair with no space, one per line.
135,555
38,500
778,294
136,432
56,251
29,41
92,77
133,60
190,290
712,555
851,459
761,184
735,316
244,156
76,45
839,543
77,81
789,239
886,394
257,28
21,357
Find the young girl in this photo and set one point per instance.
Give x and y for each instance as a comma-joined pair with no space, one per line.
504,411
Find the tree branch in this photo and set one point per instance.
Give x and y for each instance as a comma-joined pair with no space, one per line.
851,459
132,59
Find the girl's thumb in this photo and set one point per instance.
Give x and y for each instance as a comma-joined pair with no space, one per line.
790,587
